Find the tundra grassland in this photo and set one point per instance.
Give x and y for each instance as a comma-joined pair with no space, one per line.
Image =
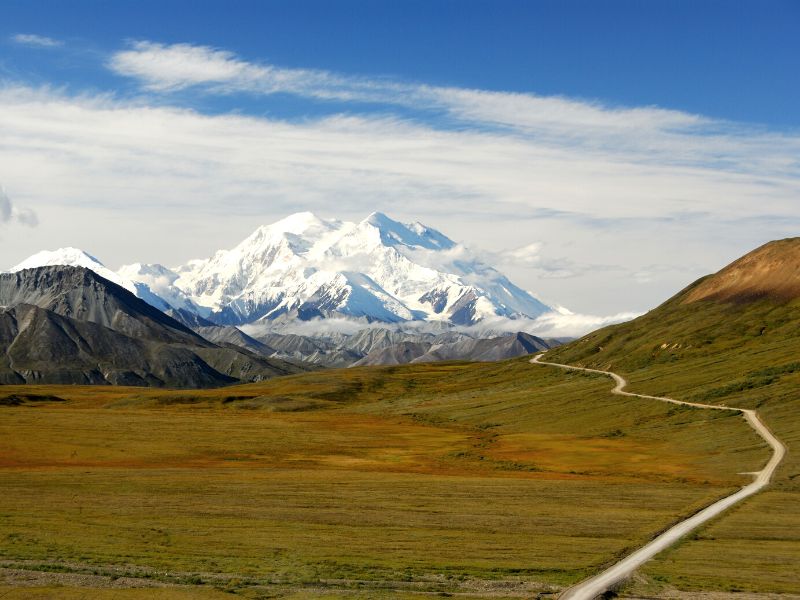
498,480
745,355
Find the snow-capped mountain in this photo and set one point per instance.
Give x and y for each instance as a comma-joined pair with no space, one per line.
305,267
378,270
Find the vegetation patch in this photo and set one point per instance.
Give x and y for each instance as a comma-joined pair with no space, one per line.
19,399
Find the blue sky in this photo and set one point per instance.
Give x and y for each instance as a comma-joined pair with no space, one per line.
584,147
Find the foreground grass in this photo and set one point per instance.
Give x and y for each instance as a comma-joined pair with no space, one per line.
66,593
738,355
447,478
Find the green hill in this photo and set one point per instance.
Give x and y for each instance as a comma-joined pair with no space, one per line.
731,338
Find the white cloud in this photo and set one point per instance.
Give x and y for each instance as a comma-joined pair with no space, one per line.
562,324
529,255
558,324
35,41
181,65
173,67
164,67
9,212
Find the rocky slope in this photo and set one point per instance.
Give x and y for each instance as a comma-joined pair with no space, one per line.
438,349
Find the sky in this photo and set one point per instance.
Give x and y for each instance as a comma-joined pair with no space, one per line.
601,154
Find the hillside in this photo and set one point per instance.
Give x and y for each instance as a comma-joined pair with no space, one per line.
771,272
731,338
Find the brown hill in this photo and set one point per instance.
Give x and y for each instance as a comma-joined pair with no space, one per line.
770,272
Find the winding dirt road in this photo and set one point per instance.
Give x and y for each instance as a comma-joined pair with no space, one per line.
597,585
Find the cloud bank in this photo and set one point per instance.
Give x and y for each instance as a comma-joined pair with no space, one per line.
603,209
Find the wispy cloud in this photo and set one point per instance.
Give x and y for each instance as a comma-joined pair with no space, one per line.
558,324
9,212
536,258
164,68
35,41
644,134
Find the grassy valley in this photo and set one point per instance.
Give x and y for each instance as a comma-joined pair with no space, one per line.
492,480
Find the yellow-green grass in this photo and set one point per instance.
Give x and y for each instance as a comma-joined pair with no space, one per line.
430,478
223,593
61,592
80,593
745,355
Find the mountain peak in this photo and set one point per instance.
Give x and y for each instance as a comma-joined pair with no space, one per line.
377,269
296,223
415,235
67,256
289,230
71,257
379,219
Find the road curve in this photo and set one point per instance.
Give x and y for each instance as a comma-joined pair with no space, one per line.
602,582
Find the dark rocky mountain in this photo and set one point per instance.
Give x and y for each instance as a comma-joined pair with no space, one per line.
41,346
380,346
397,354
489,349
224,335
484,350
69,325
329,351
188,318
